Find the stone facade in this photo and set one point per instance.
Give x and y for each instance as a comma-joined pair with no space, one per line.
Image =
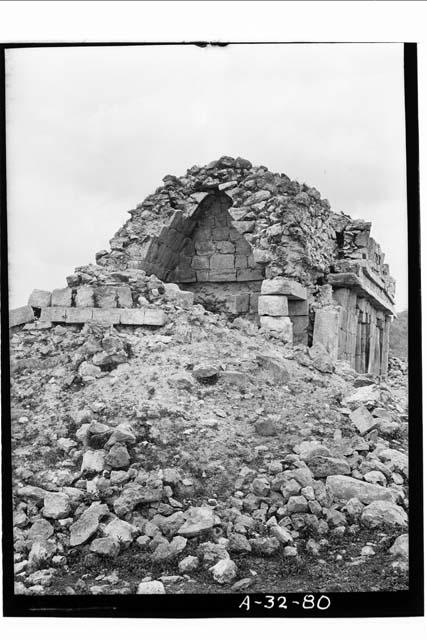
246,241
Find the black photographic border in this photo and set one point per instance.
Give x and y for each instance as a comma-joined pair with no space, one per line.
343,605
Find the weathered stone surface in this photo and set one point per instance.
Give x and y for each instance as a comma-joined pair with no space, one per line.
284,287
323,466
85,297
78,315
224,571
153,587
167,551
56,505
53,314
121,531
62,297
93,461
124,296
118,456
105,297
40,299
135,493
107,546
273,305
279,325
362,420
41,528
344,488
198,520
188,564
107,316
326,330
264,546
382,513
22,315
400,547
88,523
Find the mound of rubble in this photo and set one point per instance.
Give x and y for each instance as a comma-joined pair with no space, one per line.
201,455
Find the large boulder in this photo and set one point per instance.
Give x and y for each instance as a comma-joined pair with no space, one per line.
382,513
344,488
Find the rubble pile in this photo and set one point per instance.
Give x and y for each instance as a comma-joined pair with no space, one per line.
200,455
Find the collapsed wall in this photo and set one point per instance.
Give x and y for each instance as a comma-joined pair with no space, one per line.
245,241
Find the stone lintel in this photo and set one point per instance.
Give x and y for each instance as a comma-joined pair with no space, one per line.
364,287
285,287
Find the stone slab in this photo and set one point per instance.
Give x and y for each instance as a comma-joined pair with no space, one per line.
155,317
78,315
21,315
273,305
247,275
53,314
219,276
109,316
284,287
61,297
40,299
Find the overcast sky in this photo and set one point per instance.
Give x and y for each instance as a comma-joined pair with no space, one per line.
92,131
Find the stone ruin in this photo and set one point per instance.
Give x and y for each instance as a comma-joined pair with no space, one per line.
243,241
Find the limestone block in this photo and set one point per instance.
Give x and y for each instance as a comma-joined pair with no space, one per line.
282,325
124,296
61,297
238,303
253,303
53,314
105,297
224,246
204,247
220,276
155,317
85,297
243,247
107,316
221,233
203,276
40,299
326,330
248,275
77,315
222,262
200,262
21,315
284,286
273,306
241,262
